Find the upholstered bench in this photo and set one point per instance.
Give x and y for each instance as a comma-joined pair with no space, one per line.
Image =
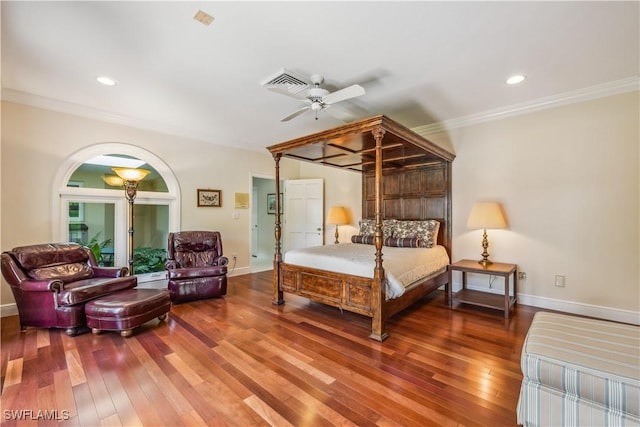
126,310
580,372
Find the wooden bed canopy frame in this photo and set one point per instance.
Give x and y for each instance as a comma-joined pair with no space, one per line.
404,176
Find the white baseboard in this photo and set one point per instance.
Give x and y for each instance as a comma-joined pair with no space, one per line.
597,311
239,271
600,312
8,310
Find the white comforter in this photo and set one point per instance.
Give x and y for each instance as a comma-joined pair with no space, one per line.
402,266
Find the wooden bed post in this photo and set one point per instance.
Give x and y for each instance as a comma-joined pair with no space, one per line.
278,295
378,294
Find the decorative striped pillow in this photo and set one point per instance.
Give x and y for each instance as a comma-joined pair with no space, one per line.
403,242
367,240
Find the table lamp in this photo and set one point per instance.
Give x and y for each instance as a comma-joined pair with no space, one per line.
486,215
338,216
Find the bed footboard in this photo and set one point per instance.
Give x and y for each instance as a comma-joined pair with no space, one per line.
351,293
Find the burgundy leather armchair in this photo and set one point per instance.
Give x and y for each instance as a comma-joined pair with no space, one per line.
196,267
52,282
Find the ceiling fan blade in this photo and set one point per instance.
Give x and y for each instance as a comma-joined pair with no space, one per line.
342,94
295,114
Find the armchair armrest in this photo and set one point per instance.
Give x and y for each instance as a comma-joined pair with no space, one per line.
53,285
195,272
223,260
110,271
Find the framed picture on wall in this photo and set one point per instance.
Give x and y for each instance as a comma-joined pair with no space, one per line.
271,203
209,198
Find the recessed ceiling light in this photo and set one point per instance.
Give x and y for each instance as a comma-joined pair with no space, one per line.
107,81
515,79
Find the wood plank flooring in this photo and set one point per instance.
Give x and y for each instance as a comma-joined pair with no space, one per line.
241,361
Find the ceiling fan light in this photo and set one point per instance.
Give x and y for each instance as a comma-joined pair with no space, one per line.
317,92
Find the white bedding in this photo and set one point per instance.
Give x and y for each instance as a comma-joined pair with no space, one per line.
403,266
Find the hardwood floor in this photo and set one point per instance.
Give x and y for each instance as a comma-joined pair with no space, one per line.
241,361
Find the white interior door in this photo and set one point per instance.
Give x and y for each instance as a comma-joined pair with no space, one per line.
303,213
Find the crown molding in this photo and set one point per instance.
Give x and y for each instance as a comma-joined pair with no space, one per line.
45,103
630,84
79,110
593,92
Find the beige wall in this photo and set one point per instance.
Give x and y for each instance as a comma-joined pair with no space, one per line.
568,180
35,142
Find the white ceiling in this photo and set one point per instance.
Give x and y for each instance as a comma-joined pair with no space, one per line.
419,62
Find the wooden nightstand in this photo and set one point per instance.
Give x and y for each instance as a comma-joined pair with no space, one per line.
479,298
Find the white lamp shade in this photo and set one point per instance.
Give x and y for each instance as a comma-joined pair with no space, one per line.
338,216
129,174
486,215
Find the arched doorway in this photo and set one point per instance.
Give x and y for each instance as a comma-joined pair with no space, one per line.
91,212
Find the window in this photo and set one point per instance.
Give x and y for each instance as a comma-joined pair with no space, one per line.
96,214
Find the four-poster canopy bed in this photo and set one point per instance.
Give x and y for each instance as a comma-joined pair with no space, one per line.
404,177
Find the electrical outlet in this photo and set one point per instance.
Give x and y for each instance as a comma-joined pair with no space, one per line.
522,275
560,281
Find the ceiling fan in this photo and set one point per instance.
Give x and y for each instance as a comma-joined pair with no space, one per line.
319,99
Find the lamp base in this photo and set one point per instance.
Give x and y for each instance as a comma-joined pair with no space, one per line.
485,255
485,262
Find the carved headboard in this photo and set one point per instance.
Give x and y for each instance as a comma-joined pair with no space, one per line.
419,193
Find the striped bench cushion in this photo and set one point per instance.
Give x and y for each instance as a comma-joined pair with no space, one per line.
580,371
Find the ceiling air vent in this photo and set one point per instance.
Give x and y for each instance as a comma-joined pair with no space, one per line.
285,80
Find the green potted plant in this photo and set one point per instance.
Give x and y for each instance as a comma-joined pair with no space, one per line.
149,260
96,246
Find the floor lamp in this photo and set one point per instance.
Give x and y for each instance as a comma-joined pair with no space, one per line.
130,179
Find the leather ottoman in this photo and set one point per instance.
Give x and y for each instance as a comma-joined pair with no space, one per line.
125,310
